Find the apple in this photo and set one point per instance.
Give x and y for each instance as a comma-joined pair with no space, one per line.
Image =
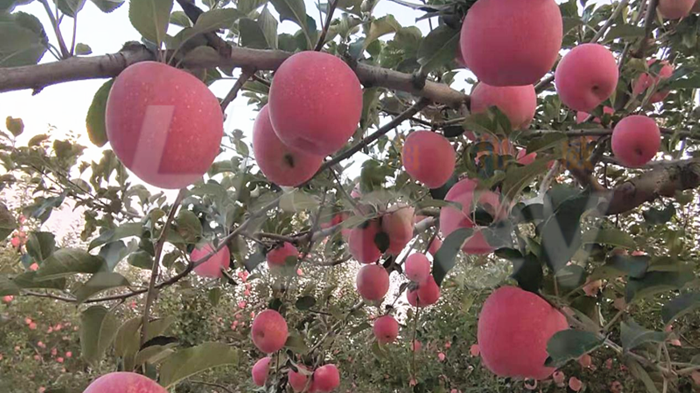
326,379
586,76
518,103
281,164
428,158
211,268
511,42
386,329
164,124
361,242
277,257
269,331
298,380
435,246
417,268
398,225
124,382
675,9
513,330
315,102
635,140
525,158
372,282
646,81
428,293
260,371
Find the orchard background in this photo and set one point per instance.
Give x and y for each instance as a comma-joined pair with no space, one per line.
91,252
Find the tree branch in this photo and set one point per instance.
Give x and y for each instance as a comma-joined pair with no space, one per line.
65,53
648,27
246,74
332,4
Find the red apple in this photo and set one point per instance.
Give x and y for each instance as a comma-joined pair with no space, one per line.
417,268
398,225
124,382
372,282
648,81
277,257
386,329
586,77
428,293
326,379
163,124
298,380
675,9
428,158
260,371
211,268
518,103
636,140
361,242
269,331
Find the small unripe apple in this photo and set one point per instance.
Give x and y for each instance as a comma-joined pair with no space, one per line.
277,257
647,80
398,225
511,42
269,331
164,124
372,282
428,293
417,268
298,380
636,140
124,382
260,371
386,329
361,242
326,379
315,102
586,76
281,164
211,268
675,9
428,158
518,103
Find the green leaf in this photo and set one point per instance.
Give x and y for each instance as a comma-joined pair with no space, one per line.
632,335
8,224
154,354
188,226
66,262
30,280
23,40
98,327
379,27
127,339
297,201
295,11
570,345
95,120
655,216
438,48
528,272
445,256
8,6
518,178
108,6
680,306
638,371
14,125
220,18
570,23
214,296
41,245
624,31
157,327
611,236
123,231
187,362
82,49
179,18
305,302
99,282
656,282
359,328
252,35
547,141
268,25
151,18
295,343
620,265
246,6
141,259
70,7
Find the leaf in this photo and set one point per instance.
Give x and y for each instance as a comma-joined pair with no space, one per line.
220,18
66,262
295,343
305,302
23,40
82,49
656,282
445,256
95,120
187,362
632,335
618,265
153,354
8,224
655,216
98,327
214,296
108,6
438,48
638,371
297,201
99,282
151,18
518,178
268,25
528,272
37,139
570,345
128,337
70,7
379,27
157,327
179,18
359,328
611,236
246,6
680,306
188,226
111,235
570,23
547,141
624,31
14,125
295,11
252,35
29,280
41,245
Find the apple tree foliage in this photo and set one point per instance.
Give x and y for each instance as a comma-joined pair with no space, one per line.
572,224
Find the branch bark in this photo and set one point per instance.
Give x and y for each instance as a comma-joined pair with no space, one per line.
246,74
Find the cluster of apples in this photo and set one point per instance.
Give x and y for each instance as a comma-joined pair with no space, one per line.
314,107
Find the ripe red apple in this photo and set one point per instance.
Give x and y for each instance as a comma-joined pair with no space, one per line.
211,268
326,379
511,42
427,293
260,371
586,77
386,329
315,102
361,242
269,331
298,380
513,330
636,140
417,268
281,164
277,257
435,246
518,103
163,124
581,116
525,158
124,382
428,158
675,9
398,225
372,282
647,80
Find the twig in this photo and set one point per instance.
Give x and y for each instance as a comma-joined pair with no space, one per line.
340,187
332,4
75,34
150,296
613,321
549,177
61,44
246,73
648,27
413,343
